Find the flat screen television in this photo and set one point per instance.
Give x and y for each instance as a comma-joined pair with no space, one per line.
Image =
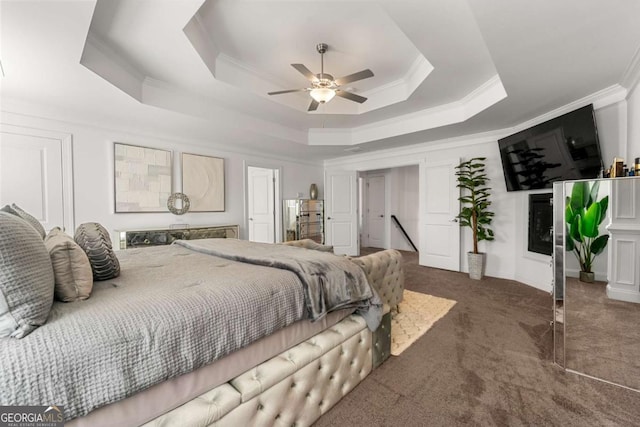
560,149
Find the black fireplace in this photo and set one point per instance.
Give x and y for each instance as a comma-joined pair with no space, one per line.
541,223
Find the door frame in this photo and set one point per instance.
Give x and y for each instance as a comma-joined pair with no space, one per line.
277,196
386,232
66,152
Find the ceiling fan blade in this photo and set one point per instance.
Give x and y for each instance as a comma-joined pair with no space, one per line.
360,75
313,106
305,72
351,96
286,91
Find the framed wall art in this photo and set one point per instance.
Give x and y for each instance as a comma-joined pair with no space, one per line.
142,178
203,182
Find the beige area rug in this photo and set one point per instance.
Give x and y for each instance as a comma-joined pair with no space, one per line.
417,314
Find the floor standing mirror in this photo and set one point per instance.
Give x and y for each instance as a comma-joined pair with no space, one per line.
597,316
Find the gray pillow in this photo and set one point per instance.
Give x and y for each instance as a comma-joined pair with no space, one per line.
26,278
30,219
71,267
94,239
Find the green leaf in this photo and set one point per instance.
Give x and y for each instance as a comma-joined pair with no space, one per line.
569,242
579,195
590,221
569,214
598,245
593,194
604,204
574,229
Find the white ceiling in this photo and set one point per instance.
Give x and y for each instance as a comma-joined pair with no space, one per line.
201,69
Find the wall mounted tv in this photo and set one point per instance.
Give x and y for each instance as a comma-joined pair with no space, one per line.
560,149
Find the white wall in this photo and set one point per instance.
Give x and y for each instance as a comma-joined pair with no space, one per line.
93,175
403,203
507,255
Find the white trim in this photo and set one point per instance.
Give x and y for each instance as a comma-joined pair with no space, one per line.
481,98
600,99
163,136
66,155
631,77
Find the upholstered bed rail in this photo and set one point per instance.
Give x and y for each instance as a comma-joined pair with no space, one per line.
385,273
383,269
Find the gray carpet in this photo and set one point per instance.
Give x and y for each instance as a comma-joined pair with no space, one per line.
487,362
603,335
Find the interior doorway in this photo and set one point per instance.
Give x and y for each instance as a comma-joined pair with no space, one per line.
263,202
388,193
374,212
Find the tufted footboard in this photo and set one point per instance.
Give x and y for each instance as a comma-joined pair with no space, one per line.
385,273
302,383
292,389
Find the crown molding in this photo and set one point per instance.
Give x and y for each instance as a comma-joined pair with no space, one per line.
631,76
478,100
399,156
99,57
600,99
12,113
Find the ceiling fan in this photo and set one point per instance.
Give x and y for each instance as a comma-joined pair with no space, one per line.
323,86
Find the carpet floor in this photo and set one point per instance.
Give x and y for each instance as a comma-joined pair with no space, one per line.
487,362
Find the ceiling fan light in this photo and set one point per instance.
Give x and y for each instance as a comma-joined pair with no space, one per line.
322,94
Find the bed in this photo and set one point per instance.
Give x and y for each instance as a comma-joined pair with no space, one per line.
209,332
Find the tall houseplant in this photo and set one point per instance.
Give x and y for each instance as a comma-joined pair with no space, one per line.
474,211
583,215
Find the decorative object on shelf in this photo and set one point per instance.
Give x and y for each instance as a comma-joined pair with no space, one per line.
142,178
184,200
203,182
617,168
583,216
313,192
474,212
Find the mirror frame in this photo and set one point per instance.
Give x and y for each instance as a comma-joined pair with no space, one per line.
559,278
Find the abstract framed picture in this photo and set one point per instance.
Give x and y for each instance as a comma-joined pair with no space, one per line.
203,182
142,178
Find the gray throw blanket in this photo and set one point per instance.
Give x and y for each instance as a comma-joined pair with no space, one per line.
330,282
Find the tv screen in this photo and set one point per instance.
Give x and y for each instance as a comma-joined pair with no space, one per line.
560,149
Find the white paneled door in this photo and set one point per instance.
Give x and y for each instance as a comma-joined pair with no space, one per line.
31,175
341,211
261,204
440,230
375,211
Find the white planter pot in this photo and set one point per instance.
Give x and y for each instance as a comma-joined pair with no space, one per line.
476,265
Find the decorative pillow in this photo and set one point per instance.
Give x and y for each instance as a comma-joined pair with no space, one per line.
71,267
94,240
26,278
30,219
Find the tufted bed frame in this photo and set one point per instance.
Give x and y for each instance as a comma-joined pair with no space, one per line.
295,387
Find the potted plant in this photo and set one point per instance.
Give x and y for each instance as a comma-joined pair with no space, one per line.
474,210
583,215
